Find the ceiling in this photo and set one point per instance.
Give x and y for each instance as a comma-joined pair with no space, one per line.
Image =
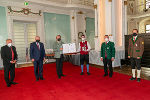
60,1
49,3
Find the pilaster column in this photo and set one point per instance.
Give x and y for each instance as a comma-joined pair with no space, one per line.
97,35
108,16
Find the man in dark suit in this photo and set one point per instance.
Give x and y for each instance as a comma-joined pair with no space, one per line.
9,56
37,55
108,55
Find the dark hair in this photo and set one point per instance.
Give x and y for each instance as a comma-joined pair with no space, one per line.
136,30
107,35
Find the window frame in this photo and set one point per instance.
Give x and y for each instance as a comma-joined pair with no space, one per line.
146,29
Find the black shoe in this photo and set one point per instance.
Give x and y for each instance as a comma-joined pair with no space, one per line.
59,77
88,73
14,83
42,78
138,79
37,79
110,76
82,73
132,78
63,75
105,75
8,85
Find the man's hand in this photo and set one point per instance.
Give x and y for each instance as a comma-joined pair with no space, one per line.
129,57
44,59
101,59
112,59
12,62
32,60
138,58
61,48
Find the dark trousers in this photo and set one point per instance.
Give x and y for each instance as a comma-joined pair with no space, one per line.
59,66
136,62
38,68
10,68
84,58
108,62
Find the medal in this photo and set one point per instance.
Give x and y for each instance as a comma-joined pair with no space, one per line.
136,45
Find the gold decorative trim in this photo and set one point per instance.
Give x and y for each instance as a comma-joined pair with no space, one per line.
109,0
73,17
95,6
96,36
125,3
80,12
26,11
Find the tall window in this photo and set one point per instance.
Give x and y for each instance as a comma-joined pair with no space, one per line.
24,34
147,29
147,4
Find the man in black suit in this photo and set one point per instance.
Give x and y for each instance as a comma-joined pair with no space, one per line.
37,55
9,56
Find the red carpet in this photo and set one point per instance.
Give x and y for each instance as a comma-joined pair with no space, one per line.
73,86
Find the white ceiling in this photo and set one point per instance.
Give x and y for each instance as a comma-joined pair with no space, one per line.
60,1
48,3
12,0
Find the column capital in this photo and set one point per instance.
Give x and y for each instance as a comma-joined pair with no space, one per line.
95,6
125,3
109,0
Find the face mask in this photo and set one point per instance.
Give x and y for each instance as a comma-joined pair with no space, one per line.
134,34
9,44
37,40
83,39
106,39
59,39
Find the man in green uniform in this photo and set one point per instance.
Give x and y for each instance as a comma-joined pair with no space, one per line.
107,55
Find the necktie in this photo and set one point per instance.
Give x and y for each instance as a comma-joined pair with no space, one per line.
12,53
134,39
105,51
38,46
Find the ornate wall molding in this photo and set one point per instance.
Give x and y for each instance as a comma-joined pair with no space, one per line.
25,11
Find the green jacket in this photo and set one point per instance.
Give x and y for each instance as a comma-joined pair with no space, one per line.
109,48
56,48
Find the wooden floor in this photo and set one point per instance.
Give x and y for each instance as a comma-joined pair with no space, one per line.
145,73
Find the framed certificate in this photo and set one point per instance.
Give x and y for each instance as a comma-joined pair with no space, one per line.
69,48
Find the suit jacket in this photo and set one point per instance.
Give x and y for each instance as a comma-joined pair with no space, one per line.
136,49
56,48
109,48
35,53
6,54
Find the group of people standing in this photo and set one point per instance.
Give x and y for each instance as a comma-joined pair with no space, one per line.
37,55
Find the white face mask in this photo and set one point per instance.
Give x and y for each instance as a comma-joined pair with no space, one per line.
83,39
9,44
106,39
